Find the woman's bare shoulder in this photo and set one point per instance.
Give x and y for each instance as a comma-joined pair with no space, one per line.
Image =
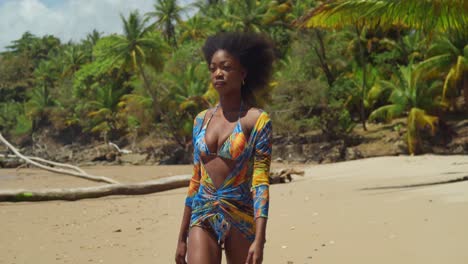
253,115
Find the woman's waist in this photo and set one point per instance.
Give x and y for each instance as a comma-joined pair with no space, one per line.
230,193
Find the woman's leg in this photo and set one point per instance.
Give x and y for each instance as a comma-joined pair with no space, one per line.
236,247
202,248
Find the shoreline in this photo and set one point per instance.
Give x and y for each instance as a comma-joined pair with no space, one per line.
327,216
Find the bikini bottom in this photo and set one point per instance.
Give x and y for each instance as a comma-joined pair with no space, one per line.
217,227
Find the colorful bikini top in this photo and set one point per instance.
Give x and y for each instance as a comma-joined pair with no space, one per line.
231,148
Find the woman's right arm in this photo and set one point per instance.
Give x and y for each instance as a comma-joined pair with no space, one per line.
181,250
192,191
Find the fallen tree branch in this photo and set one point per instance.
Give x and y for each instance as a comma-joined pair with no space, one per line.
123,151
147,187
73,194
80,174
56,164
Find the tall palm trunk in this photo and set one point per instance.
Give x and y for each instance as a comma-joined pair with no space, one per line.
465,91
156,110
321,54
364,78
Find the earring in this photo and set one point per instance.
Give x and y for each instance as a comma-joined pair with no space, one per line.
243,82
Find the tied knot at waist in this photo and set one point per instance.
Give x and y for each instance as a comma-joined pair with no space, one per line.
210,194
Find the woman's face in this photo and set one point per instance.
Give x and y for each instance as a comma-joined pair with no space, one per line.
227,73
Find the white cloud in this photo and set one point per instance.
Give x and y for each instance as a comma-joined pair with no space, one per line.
66,19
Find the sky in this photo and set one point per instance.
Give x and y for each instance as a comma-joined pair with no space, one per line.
66,19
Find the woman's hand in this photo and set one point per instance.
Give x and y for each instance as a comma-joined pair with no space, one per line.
181,251
255,255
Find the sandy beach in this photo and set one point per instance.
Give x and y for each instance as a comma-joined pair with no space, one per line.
378,210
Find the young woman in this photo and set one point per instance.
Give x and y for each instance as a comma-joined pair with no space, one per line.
227,202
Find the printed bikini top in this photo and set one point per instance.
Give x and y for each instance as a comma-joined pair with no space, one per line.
231,148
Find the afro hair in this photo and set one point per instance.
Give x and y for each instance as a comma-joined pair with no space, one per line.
254,52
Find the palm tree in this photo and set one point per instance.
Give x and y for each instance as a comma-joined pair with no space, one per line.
187,95
138,47
247,15
73,58
104,108
42,100
167,14
450,58
439,15
24,44
409,97
195,29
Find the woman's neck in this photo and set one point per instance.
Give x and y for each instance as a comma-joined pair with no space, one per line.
230,103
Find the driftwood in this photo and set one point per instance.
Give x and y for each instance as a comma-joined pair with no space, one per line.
73,194
122,151
76,171
115,188
284,175
55,164
147,187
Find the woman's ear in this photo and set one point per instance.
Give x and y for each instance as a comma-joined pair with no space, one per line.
244,74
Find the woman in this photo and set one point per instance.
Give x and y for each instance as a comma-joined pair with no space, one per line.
227,201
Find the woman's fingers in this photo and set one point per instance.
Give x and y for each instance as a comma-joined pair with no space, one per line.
249,258
180,259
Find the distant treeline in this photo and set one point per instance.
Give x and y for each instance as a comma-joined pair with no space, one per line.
339,64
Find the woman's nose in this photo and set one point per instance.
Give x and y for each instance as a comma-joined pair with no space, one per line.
218,72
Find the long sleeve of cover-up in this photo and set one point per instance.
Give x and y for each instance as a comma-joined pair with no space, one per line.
261,166
196,174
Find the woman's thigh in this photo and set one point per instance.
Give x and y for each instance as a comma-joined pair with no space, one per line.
202,248
236,247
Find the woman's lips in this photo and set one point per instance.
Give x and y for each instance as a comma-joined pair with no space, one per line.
219,83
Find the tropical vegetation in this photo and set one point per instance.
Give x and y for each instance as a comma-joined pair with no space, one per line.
339,65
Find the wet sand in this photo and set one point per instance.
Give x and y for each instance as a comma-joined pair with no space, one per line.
379,210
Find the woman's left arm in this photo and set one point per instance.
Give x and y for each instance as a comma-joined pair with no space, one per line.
260,185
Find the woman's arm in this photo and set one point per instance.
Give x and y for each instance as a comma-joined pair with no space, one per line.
192,191
184,226
260,186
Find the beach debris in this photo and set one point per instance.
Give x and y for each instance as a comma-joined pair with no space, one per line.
292,227
123,151
284,247
73,194
112,188
284,175
70,169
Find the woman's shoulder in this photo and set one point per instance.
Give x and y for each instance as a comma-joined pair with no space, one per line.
201,114
257,117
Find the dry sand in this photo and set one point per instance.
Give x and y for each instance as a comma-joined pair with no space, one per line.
334,214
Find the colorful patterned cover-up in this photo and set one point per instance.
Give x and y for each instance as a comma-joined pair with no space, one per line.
244,194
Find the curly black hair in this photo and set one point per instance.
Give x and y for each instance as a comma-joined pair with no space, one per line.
254,52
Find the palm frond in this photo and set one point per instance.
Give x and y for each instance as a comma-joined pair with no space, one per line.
387,112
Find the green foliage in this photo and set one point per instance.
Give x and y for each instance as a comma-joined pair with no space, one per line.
13,119
386,58
410,96
185,91
297,98
167,14
335,121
